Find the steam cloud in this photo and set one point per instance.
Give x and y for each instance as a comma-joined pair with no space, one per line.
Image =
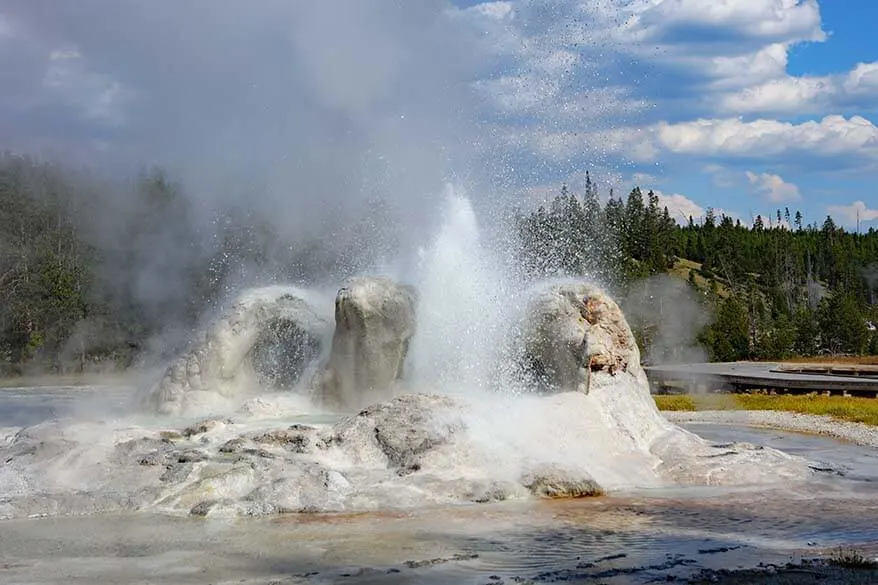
302,113
670,316
334,125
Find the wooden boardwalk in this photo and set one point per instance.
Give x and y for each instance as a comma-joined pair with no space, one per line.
781,378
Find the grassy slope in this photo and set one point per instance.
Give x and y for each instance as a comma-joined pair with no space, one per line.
849,409
682,269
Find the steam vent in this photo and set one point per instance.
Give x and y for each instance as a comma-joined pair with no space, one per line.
589,425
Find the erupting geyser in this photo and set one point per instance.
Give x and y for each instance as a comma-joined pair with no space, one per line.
467,387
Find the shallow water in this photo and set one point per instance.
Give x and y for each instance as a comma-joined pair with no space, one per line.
25,406
618,540
859,463
630,538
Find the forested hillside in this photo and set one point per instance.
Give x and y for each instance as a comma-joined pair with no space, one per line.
94,272
772,290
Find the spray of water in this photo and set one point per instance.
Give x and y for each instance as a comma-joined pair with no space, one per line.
464,307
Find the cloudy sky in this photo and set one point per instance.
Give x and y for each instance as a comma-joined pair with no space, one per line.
742,105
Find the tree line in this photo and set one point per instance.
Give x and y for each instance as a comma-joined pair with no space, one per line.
771,291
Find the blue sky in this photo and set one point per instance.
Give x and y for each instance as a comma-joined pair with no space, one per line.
745,106
850,25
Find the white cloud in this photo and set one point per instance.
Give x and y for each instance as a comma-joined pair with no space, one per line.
863,79
5,28
849,143
850,214
69,80
64,54
725,46
540,194
760,19
549,88
519,93
495,10
680,207
808,94
732,72
773,188
721,57
643,179
833,135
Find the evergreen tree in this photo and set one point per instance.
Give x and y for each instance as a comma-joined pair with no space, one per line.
728,338
843,325
777,275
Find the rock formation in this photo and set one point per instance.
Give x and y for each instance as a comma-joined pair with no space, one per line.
573,330
597,431
269,337
374,324
576,339
411,451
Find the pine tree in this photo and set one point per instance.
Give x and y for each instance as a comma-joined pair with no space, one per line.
729,336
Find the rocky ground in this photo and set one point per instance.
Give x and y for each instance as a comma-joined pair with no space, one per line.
411,451
858,433
807,572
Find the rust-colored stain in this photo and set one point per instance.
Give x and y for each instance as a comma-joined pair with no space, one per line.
592,310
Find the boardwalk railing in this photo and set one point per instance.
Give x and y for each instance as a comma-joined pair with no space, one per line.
749,376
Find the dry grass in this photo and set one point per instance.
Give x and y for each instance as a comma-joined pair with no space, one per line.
675,402
849,557
693,402
863,410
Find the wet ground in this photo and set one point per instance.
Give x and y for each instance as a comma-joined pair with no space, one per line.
625,538
609,540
